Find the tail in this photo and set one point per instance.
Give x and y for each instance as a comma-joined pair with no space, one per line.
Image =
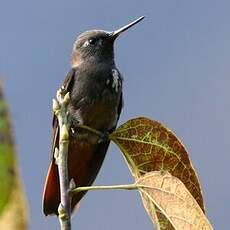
83,168
51,195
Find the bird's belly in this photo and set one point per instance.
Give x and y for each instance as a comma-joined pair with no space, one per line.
100,116
81,160
84,161
97,113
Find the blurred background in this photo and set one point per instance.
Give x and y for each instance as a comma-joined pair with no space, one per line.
176,69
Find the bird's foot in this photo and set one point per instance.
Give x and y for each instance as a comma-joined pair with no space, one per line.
104,137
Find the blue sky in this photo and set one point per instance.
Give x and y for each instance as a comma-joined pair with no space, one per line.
176,69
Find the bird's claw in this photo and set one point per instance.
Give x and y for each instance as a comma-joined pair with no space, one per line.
104,137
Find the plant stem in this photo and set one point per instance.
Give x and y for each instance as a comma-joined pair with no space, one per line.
61,155
106,187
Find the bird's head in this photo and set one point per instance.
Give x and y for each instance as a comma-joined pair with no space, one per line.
95,46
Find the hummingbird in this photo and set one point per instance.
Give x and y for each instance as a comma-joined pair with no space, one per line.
95,86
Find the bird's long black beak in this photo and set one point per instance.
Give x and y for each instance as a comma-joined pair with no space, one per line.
118,32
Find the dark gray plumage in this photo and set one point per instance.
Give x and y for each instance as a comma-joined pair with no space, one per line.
95,87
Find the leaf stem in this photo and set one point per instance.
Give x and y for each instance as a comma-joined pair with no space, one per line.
92,130
106,187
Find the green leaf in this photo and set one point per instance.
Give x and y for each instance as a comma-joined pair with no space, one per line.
13,210
7,155
6,175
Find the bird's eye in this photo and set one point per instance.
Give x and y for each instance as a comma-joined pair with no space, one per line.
92,41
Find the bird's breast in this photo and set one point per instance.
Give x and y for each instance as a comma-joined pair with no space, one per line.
95,99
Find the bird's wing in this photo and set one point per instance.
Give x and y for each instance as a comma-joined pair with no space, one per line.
66,87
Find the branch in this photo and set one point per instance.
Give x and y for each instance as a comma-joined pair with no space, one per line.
61,157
